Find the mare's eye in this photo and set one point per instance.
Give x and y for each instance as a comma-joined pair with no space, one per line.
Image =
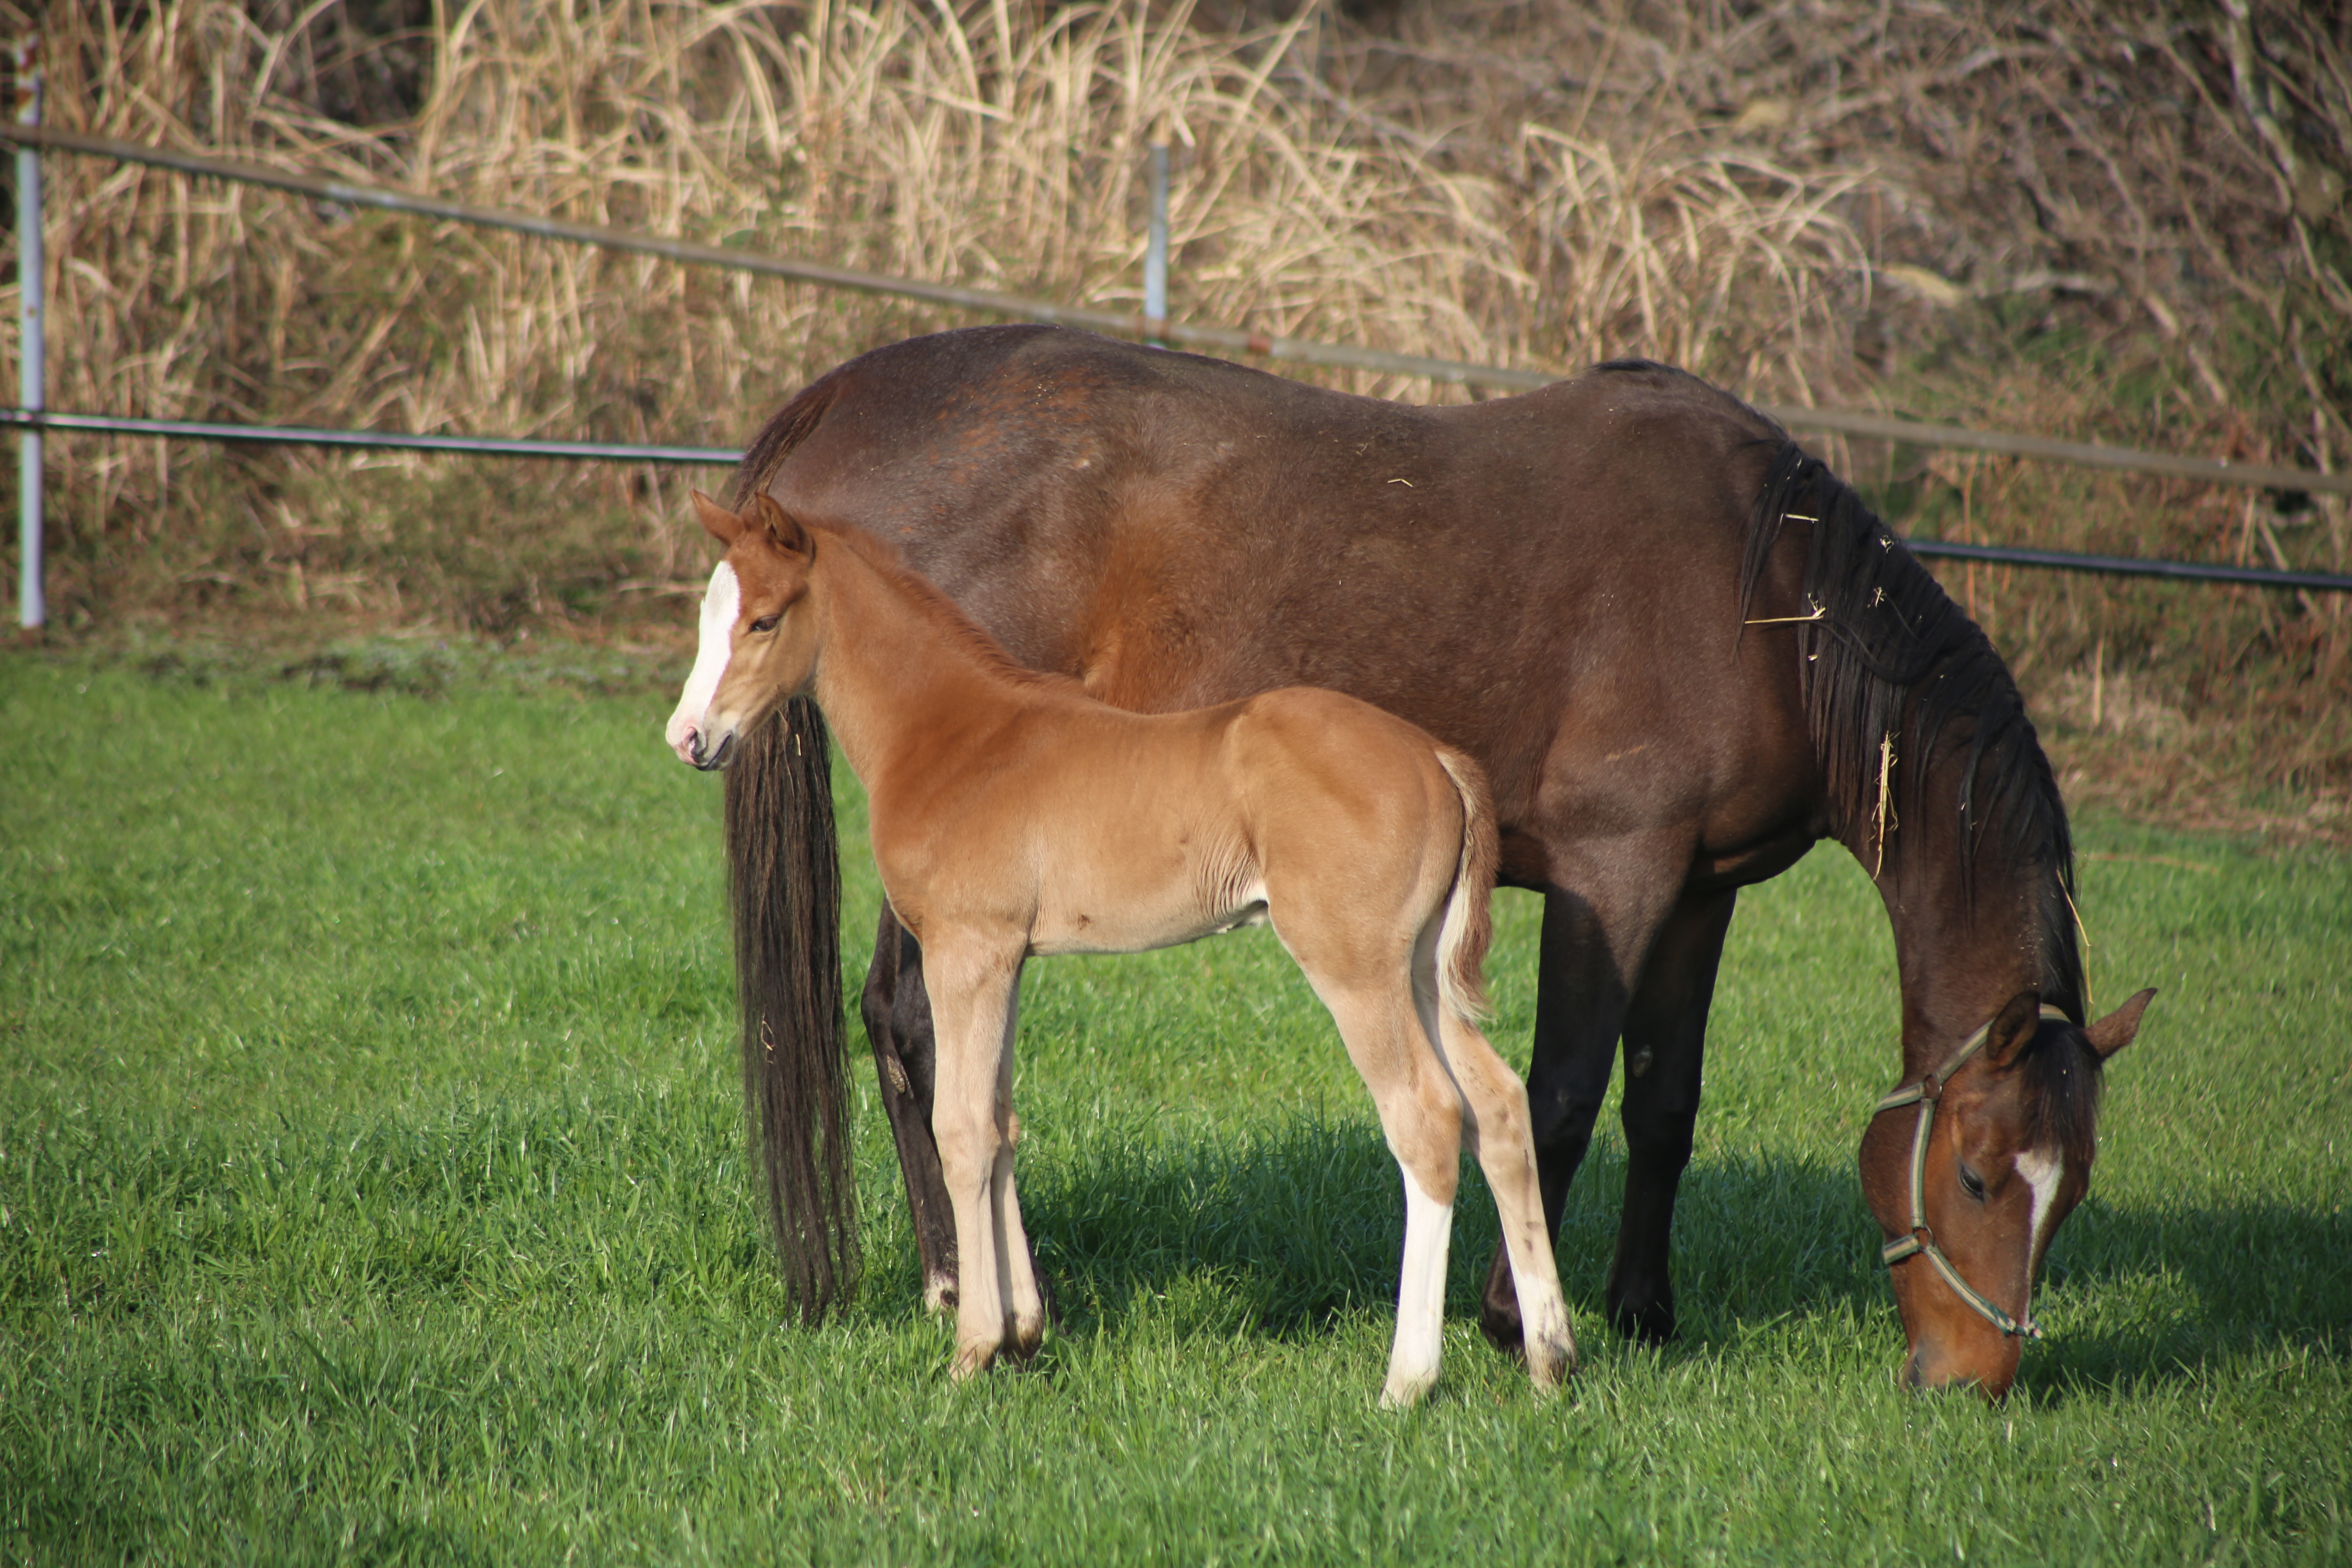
766,622
1972,1183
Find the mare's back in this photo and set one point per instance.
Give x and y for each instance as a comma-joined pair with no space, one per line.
1178,530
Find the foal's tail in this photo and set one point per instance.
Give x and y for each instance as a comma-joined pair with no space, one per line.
1469,909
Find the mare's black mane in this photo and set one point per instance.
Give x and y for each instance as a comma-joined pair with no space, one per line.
1892,661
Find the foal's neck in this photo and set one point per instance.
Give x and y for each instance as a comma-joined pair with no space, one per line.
900,674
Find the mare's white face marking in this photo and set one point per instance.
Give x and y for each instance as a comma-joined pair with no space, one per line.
2041,1169
720,604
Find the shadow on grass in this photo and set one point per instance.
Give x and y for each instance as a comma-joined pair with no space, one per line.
1277,1231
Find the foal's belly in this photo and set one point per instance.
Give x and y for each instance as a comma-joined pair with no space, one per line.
1142,925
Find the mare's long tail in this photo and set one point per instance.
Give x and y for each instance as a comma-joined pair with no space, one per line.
1469,909
784,879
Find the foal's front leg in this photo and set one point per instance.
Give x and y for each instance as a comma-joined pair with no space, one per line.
974,987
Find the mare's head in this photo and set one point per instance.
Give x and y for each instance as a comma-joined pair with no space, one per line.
2012,1132
758,632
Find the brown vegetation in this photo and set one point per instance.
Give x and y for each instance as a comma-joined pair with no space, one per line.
2040,216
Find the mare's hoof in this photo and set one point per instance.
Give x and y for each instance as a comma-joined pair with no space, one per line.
1501,1326
939,1293
1652,1323
970,1360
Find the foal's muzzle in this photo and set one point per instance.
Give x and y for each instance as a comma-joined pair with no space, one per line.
716,759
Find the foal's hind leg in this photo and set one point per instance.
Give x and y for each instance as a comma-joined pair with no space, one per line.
1501,1135
1420,1113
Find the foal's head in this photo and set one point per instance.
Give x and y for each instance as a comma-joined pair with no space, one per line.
758,632
2007,1155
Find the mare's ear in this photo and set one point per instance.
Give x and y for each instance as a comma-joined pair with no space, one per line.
781,526
2113,1032
2012,1029
716,520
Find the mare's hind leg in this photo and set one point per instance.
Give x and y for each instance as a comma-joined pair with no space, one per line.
898,1016
1665,1038
1591,947
974,987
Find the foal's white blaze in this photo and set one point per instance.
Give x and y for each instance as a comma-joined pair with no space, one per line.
2042,1168
720,602
1421,1297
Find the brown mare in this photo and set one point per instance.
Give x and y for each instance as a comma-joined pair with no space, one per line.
1683,651
1013,815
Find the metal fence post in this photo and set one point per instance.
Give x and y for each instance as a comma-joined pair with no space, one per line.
32,379
1155,254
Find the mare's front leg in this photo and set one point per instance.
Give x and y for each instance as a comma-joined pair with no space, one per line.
897,1013
1665,1038
974,986
1593,942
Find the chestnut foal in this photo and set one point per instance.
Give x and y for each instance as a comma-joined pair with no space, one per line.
1013,815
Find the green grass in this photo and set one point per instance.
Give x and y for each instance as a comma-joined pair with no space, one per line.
372,1189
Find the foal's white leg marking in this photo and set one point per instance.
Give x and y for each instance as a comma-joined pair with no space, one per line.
1421,1297
720,604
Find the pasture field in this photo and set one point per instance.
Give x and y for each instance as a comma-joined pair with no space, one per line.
372,1189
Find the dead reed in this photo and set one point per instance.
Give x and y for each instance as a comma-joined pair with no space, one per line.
2038,215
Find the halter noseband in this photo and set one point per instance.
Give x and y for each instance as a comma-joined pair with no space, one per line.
1922,1239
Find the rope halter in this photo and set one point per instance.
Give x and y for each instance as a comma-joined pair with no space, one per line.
1924,1094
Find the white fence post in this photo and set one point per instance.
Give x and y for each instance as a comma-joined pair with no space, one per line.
1155,254
32,381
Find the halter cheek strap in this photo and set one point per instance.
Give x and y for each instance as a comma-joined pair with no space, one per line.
1924,1094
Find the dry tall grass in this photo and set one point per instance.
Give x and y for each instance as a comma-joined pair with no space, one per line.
2029,214
990,146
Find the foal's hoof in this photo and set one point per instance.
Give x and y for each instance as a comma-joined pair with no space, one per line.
1403,1392
1021,1346
1551,1363
970,1360
939,1293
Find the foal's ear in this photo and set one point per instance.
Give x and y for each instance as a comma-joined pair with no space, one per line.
781,526
716,520
2012,1029
2113,1032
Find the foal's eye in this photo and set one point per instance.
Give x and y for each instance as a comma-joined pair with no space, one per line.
766,622
1972,1183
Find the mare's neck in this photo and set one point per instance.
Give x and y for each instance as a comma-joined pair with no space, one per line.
1962,949
896,681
